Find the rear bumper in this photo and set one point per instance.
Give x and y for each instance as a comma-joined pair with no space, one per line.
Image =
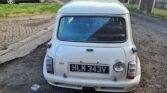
99,85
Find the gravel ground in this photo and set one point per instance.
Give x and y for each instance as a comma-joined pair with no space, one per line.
150,36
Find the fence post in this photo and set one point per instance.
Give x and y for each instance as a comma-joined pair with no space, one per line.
139,4
128,2
153,6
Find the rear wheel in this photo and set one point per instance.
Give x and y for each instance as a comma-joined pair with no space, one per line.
10,1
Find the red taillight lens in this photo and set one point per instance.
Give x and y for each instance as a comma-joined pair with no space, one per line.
131,70
49,65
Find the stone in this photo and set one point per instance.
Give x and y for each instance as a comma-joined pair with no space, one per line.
158,86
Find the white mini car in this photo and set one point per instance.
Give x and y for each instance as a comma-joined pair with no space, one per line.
92,47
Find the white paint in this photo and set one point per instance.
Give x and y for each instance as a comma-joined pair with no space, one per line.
93,6
65,53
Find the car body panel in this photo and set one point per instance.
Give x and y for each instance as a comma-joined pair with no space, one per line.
98,84
65,53
90,6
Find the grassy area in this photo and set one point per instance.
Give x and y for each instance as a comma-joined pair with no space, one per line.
156,12
7,10
160,12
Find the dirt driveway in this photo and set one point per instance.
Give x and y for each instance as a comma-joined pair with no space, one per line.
150,36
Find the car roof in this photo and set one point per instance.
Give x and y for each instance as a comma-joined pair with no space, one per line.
94,7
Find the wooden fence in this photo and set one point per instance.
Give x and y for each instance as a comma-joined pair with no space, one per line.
161,4
149,5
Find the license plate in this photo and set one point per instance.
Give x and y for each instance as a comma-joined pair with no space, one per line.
89,68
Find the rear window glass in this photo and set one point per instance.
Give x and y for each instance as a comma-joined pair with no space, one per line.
92,29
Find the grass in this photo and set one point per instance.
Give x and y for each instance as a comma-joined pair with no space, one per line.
156,12
8,10
160,12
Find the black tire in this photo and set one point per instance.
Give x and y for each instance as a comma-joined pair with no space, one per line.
10,1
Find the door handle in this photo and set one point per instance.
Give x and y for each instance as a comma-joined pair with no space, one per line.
89,50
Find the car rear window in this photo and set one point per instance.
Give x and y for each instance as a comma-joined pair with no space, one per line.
92,29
